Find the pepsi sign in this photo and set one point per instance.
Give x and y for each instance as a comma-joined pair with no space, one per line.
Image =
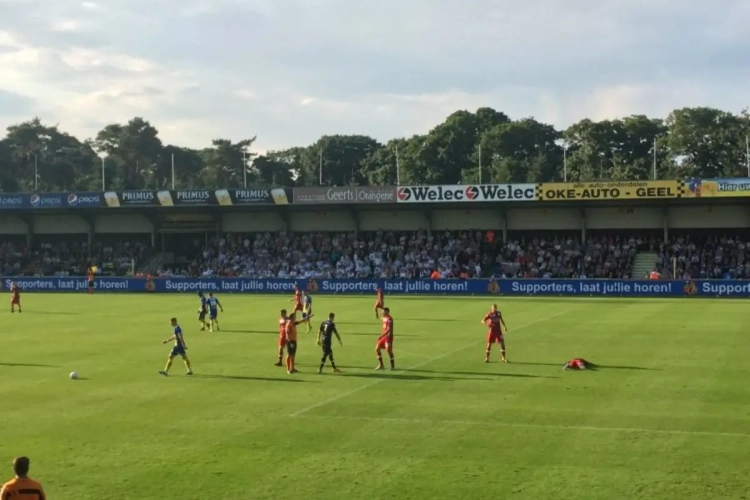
51,200
11,201
48,200
84,200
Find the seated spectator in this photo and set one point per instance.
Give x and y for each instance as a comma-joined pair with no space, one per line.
69,255
386,254
704,257
566,257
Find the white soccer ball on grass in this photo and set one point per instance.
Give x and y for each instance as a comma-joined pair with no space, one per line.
73,375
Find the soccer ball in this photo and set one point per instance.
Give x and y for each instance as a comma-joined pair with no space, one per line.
73,375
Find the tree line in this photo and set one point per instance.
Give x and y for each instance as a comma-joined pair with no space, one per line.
484,146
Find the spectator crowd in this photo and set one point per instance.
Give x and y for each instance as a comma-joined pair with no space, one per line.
705,257
70,256
388,254
338,255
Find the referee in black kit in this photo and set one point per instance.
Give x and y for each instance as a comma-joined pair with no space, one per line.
325,340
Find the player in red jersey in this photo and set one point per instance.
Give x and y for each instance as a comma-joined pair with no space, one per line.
496,324
385,341
579,364
15,299
298,306
379,302
283,320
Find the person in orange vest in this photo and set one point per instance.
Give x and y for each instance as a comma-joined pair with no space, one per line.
435,275
22,487
654,275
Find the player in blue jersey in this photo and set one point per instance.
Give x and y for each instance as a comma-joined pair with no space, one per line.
213,311
202,311
307,303
179,349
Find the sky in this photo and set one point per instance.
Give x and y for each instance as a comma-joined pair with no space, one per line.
289,71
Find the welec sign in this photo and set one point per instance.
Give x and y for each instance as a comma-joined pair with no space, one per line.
469,193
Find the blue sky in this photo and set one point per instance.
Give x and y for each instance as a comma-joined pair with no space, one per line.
290,71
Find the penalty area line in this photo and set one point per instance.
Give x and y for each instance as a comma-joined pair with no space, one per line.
414,367
633,430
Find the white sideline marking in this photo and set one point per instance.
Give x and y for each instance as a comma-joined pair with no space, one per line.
411,354
534,426
414,367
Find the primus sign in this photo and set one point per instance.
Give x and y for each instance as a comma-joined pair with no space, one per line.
477,193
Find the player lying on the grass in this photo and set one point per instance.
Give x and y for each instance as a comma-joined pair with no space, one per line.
325,341
385,341
579,364
496,326
179,349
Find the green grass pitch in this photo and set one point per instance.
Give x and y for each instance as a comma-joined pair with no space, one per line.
666,418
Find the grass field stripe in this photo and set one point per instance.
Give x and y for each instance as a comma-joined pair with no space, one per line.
420,365
634,430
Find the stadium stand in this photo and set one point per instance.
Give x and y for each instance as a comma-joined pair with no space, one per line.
410,255
388,254
705,256
68,255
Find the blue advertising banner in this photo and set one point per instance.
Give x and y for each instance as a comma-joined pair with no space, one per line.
511,287
51,200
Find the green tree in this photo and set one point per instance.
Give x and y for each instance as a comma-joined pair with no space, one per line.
58,160
136,152
342,158
269,170
8,169
449,148
521,151
227,163
706,142
690,142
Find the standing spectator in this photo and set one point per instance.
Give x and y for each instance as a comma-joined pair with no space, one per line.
22,487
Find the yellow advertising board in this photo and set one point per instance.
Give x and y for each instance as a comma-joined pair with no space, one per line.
716,188
603,191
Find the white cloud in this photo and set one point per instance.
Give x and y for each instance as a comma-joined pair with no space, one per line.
293,70
66,25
